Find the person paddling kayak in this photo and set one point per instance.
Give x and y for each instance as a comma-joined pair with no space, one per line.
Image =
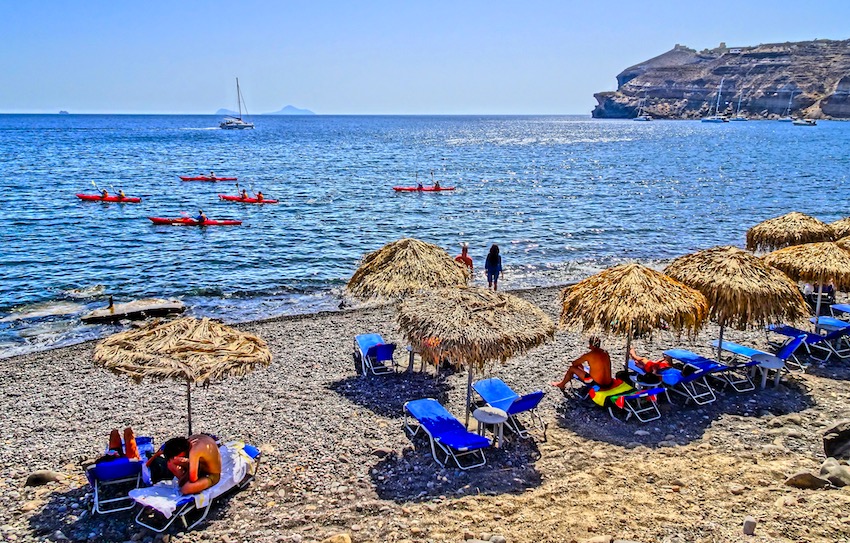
260,196
244,194
104,194
121,195
202,217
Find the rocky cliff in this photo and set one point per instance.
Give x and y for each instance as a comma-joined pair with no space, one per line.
683,83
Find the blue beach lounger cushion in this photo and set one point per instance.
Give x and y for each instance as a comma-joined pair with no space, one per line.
824,345
448,437
496,393
736,376
785,352
374,354
692,386
113,479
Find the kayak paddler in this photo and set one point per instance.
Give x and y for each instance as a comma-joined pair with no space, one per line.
121,195
104,194
244,194
260,196
202,217
212,174
437,185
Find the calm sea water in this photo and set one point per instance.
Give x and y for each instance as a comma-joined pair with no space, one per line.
562,196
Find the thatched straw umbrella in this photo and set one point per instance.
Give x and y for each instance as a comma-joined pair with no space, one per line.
187,349
474,326
629,300
790,229
404,267
741,289
814,262
844,243
841,227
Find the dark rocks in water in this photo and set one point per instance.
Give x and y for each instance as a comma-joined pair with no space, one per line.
135,310
42,477
836,441
683,83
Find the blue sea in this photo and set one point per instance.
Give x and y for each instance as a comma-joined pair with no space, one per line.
562,196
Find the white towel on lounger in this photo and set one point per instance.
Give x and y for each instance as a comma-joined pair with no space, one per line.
165,497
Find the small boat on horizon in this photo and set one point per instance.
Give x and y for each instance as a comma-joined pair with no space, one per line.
786,116
804,122
641,114
717,117
236,123
738,116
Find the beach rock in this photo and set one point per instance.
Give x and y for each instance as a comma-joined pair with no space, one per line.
600,539
497,539
338,538
749,525
836,441
835,473
382,452
736,490
42,477
806,480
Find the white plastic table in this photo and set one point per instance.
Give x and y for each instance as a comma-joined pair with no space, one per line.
494,417
769,362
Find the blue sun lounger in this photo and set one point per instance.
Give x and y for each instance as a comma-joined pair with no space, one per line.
784,353
163,503
827,344
113,479
735,376
693,387
498,394
374,354
446,434
843,309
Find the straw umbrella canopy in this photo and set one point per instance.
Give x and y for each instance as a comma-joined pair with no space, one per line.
841,227
629,300
790,229
814,263
404,267
186,350
741,289
473,326
844,243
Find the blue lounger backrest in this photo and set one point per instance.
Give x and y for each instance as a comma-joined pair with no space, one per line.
701,362
367,341
496,393
525,403
381,353
111,470
789,348
835,334
434,417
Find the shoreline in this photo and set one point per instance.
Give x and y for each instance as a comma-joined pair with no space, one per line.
336,459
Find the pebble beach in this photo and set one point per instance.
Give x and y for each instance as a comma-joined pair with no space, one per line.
336,461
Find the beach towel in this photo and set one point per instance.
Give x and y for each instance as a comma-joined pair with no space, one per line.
165,497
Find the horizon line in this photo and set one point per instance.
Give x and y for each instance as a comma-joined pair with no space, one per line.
321,114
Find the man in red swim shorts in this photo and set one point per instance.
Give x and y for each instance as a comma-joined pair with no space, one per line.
651,366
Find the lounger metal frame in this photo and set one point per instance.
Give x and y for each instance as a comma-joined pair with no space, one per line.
508,404
640,404
692,387
448,452
99,488
377,367
186,509
827,344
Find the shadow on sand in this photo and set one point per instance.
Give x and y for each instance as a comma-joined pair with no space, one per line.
414,476
831,370
685,423
386,395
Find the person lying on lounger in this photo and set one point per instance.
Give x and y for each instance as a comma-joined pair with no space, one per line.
599,364
651,366
195,462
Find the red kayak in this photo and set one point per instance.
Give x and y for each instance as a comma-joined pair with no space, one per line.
207,178
423,189
99,198
230,198
185,221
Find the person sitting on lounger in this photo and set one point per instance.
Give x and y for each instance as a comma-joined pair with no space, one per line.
651,366
195,462
597,360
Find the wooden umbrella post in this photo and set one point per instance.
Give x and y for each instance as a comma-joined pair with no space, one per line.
189,403
628,348
720,343
817,305
468,393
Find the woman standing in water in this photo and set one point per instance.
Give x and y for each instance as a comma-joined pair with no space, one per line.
493,265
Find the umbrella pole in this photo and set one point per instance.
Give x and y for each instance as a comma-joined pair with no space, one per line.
628,348
468,393
720,344
189,403
817,307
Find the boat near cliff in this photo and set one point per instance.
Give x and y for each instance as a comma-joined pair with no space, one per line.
678,84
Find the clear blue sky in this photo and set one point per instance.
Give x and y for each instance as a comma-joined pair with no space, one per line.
363,57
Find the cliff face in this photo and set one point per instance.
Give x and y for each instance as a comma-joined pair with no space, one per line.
683,83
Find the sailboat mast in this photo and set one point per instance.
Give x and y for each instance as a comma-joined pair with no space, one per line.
238,99
719,92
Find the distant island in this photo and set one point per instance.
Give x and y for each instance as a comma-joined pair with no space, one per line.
288,110
63,112
813,76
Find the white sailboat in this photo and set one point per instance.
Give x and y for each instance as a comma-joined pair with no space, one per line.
786,115
717,117
738,116
804,122
641,114
236,123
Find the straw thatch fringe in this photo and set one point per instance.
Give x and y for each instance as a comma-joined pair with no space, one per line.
741,289
631,297
841,227
844,243
790,229
185,349
471,325
404,267
813,262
